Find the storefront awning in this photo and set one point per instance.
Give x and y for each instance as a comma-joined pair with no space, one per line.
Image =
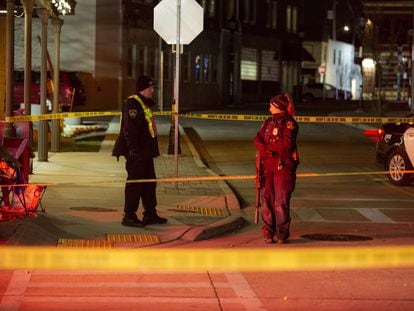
295,52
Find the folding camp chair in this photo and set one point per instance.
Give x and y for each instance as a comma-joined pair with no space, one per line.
8,165
16,194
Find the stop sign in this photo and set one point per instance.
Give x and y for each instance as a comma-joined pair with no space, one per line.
191,20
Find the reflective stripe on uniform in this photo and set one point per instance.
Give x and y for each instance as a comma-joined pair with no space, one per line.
148,114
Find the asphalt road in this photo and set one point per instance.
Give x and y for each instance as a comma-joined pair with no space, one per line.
353,194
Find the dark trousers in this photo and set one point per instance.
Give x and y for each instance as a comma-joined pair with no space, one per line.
134,192
278,188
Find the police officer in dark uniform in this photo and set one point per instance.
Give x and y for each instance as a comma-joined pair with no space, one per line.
139,132
276,143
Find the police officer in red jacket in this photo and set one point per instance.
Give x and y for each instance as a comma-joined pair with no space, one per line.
276,143
140,135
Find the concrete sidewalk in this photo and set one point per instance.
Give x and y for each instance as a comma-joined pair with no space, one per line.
86,204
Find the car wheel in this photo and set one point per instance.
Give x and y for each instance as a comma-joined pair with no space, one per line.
396,164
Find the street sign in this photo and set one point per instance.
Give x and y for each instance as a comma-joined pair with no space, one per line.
191,20
322,69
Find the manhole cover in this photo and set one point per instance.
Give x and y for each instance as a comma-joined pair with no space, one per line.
336,237
93,209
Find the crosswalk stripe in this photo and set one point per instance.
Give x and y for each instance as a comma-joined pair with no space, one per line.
244,291
374,215
15,291
309,214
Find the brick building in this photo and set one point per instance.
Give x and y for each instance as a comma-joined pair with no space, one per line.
248,51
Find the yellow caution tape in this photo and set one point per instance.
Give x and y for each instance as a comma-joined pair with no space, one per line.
193,260
229,117
211,116
302,119
63,115
164,113
198,178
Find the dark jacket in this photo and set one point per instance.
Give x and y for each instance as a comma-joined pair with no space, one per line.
135,138
276,141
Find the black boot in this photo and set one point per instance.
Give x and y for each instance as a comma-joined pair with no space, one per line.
132,222
153,220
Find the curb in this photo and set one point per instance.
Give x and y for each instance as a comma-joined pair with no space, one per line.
217,228
234,221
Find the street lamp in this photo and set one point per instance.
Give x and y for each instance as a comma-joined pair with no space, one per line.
64,7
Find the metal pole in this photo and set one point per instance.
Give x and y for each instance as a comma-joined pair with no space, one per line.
160,86
177,89
120,51
412,64
334,20
160,75
9,129
28,10
55,135
231,90
42,145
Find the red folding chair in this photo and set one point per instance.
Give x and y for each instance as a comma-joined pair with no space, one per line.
17,195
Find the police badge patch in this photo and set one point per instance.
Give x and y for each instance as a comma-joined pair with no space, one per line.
290,125
132,113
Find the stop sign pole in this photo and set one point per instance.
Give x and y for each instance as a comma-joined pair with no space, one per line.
177,89
184,33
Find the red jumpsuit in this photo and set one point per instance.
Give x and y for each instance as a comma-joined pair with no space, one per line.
276,142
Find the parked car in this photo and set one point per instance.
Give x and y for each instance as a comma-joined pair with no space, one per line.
71,92
395,151
313,91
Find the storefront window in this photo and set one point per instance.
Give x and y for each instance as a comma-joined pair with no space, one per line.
249,64
206,68
197,68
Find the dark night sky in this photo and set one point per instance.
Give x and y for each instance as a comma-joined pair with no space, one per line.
315,19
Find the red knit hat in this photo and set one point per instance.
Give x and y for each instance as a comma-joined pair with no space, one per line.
280,102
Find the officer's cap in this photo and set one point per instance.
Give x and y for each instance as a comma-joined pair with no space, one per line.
143,83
